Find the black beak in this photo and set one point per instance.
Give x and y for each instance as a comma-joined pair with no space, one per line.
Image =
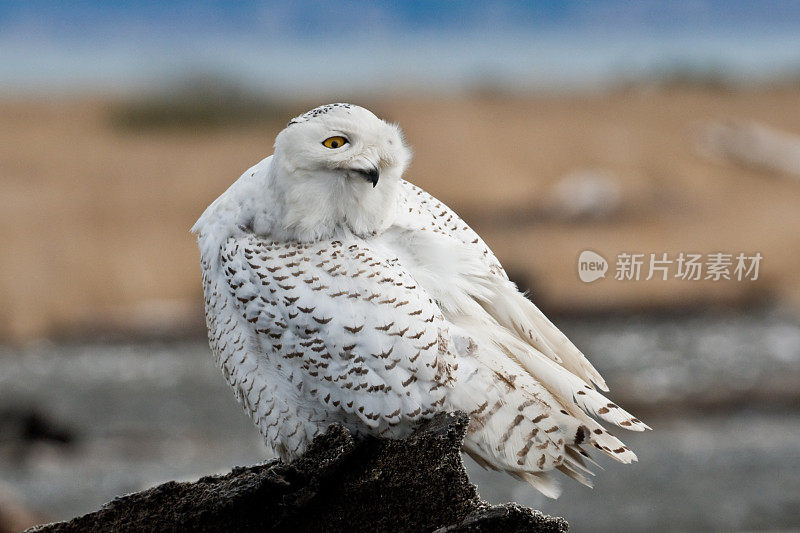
369,174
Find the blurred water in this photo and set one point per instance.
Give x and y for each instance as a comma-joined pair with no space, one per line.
293,48
720,392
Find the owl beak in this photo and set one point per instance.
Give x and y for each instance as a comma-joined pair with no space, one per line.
370,174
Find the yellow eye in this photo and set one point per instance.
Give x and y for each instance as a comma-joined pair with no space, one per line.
334,142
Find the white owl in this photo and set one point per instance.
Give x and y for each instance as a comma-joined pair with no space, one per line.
337,292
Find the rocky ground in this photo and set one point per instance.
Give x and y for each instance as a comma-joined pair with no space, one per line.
82,423
340,484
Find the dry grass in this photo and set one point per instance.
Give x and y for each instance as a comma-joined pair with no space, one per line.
95,218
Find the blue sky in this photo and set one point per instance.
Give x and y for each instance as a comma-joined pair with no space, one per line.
292,46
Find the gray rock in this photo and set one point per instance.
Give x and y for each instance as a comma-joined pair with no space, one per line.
340,484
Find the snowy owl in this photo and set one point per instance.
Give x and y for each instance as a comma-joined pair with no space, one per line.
337,292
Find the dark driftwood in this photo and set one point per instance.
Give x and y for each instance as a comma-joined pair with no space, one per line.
340,484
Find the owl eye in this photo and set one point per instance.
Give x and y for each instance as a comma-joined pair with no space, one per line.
334,142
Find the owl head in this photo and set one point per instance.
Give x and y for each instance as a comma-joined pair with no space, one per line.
338,166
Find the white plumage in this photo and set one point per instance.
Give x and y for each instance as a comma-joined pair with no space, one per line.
335,291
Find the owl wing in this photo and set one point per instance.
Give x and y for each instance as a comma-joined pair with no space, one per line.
435,215
509,306
343,324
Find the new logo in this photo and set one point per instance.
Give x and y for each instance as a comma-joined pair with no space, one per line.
591,266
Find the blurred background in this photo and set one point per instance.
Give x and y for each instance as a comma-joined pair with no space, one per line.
551,127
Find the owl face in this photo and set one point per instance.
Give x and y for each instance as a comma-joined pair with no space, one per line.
339,165
344,141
